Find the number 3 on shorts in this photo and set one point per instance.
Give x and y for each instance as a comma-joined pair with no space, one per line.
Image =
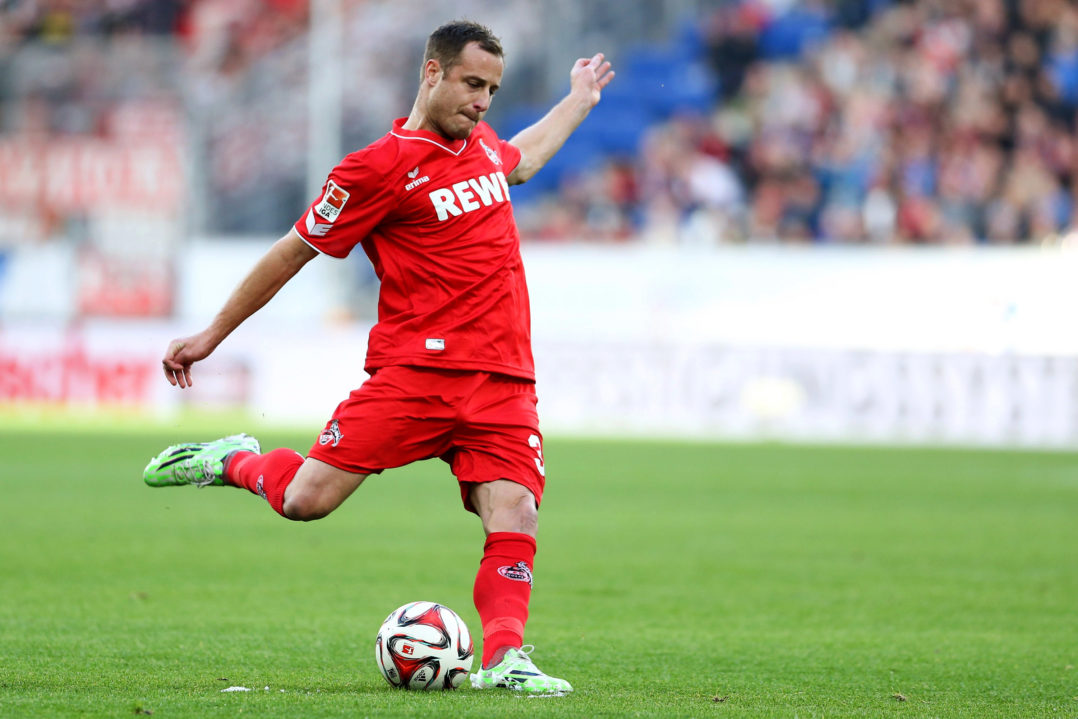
535,443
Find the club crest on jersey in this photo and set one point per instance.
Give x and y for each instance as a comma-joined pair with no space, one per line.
518,572
332,433
494,157
333,201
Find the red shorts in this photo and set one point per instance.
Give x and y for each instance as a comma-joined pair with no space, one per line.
483,425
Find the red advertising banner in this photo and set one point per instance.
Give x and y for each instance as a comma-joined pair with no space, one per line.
69,375
78,174
115,286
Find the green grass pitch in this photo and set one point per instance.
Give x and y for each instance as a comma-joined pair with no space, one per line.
672,580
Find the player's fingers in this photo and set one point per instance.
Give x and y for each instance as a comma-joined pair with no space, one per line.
596,59
187,375
175,372
604,80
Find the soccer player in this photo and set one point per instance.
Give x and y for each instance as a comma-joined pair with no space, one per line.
450,360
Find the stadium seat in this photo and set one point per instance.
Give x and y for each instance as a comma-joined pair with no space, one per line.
790,34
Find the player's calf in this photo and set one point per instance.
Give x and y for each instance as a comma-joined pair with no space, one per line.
317,489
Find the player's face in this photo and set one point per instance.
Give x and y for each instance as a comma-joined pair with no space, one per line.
460,98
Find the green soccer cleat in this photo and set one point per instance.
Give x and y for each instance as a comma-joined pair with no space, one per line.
516,671
197,463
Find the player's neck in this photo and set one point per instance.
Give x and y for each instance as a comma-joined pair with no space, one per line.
418,119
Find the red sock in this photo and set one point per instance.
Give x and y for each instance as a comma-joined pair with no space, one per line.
503,588
266,475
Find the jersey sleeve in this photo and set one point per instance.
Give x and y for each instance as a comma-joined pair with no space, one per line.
354,200
510,156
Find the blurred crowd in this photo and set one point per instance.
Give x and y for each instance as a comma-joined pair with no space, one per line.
231,32
225,82
61,54
925,121
180,73
877,121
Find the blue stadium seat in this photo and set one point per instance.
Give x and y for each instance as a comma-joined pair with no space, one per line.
669,80
1062,69
654,82
790,34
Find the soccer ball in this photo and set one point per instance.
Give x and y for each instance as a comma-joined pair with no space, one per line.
424,645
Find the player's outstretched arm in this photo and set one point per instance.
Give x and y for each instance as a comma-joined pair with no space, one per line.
538,143
280,264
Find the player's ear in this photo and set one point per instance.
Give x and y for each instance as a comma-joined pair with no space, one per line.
432,72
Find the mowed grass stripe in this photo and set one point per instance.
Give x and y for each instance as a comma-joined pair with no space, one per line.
672,580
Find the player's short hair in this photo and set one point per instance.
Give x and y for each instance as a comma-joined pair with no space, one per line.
447,42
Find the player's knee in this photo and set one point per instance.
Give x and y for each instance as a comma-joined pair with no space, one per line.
528,524
307,506
513,519
527,515
514,510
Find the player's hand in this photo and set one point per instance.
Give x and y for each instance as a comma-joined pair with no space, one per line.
589,76
180,355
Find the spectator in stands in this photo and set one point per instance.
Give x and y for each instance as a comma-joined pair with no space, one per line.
846,121
917,121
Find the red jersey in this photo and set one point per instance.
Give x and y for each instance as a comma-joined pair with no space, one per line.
434,217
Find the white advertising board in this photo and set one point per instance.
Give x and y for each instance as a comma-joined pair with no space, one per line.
925,346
